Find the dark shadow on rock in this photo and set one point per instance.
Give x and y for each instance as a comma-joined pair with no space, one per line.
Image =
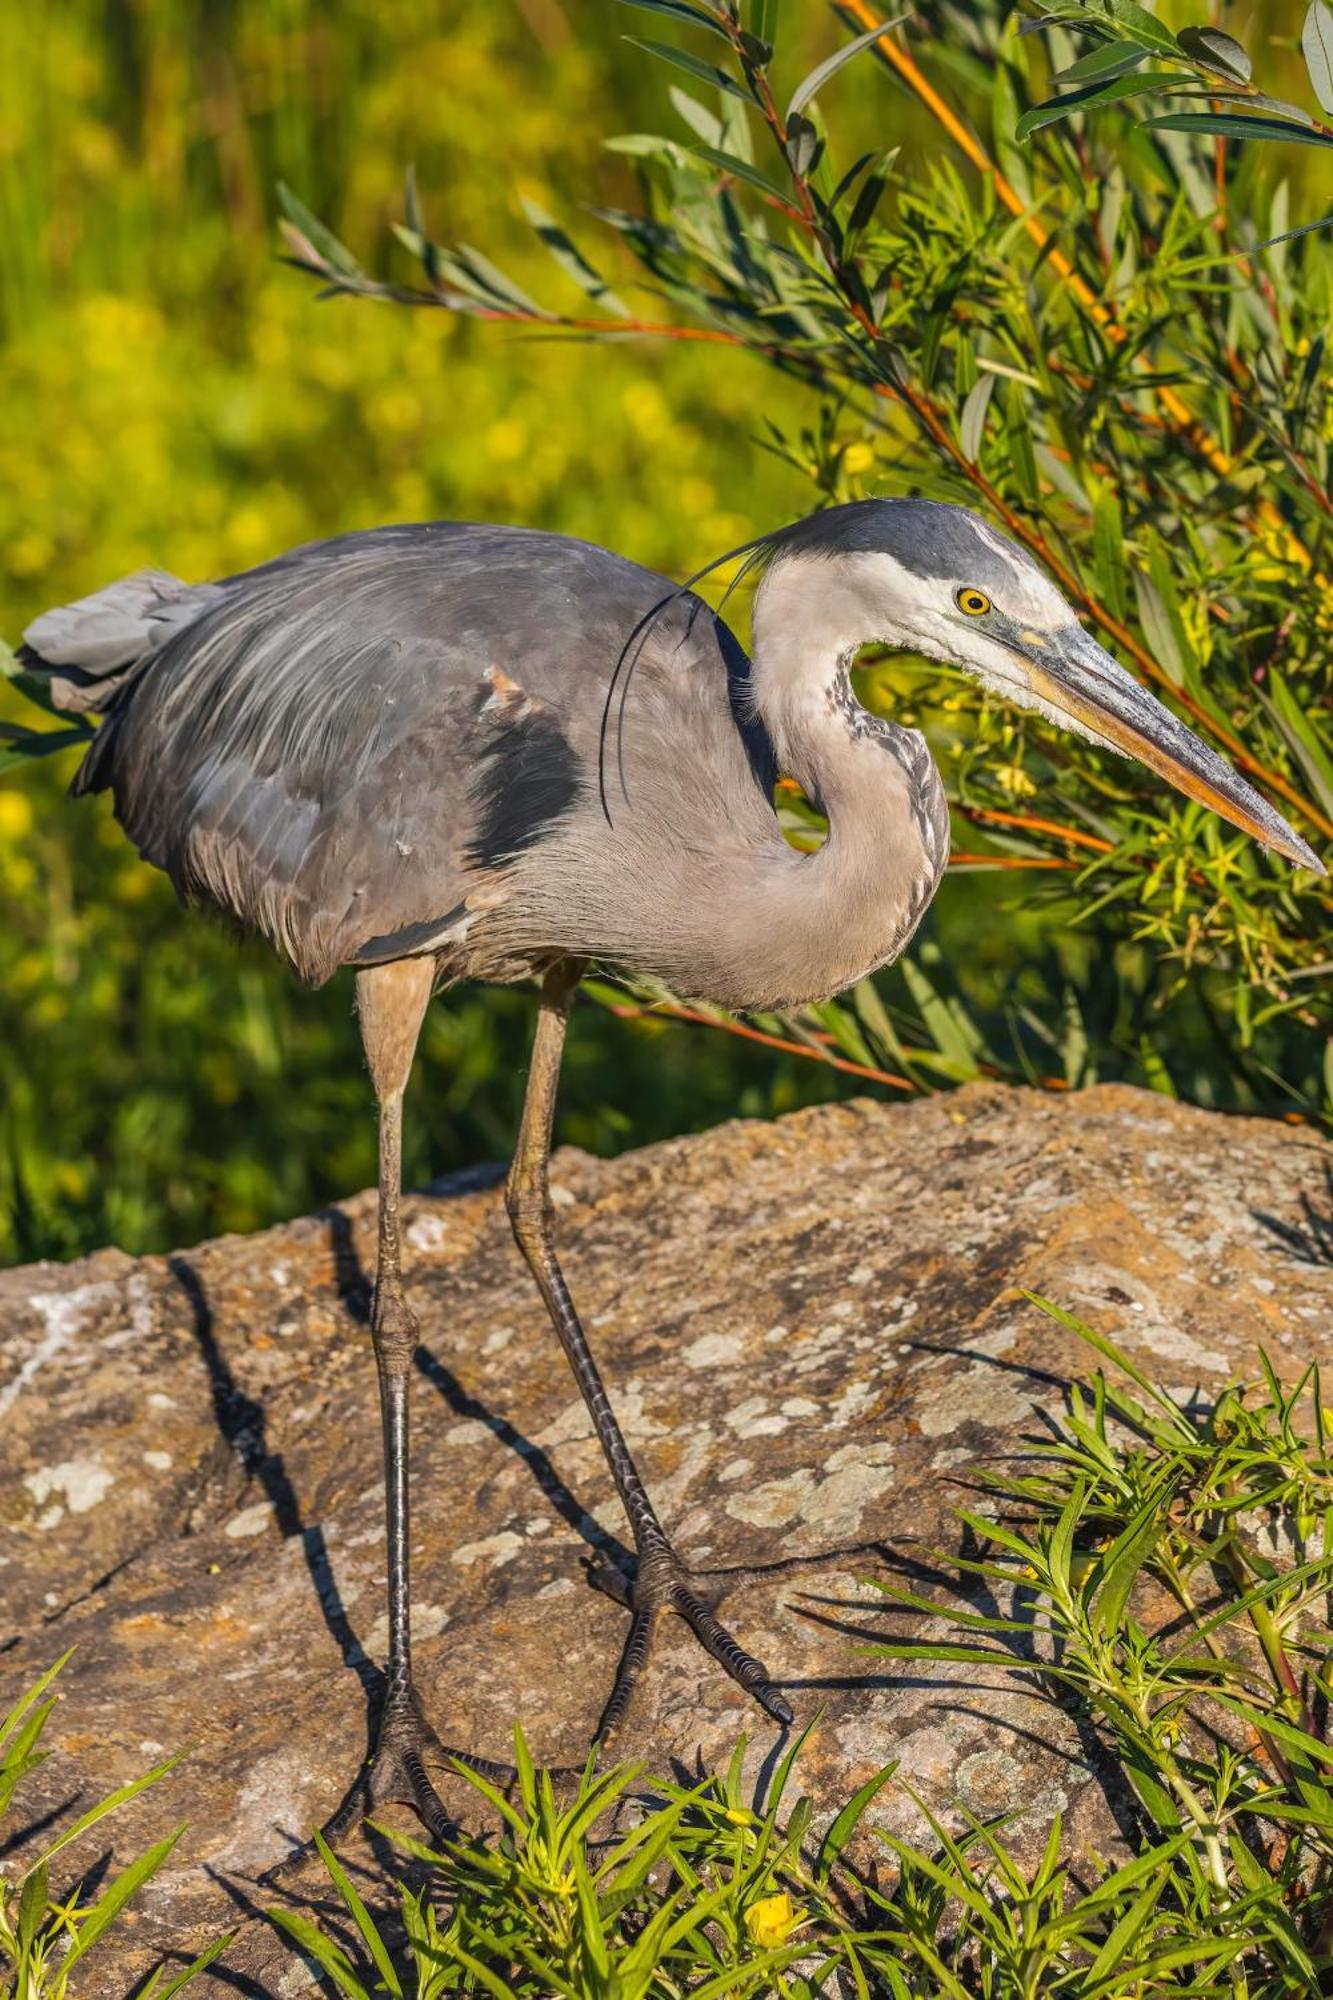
551,1486
356,1291
1311,1242
21,1835
242,1422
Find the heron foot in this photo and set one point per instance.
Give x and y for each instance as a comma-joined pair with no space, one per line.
395,1772
662,1582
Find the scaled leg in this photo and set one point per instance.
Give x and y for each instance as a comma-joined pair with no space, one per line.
662,1581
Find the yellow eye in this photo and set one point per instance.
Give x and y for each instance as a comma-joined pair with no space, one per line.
974,602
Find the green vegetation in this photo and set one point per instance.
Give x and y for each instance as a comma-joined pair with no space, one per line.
45,1935
1094,348
1162,1574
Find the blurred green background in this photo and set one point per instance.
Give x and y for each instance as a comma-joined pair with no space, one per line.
174,395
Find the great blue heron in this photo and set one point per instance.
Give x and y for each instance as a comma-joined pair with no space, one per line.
455,752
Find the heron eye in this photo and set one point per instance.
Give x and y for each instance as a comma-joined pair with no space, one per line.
974,602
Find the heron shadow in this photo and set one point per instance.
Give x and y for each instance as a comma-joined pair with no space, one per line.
243,1425
356,1291
1309,1241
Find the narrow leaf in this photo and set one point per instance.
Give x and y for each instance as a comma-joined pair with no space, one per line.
1212,49
819,76
1317,48
1228,125
706,72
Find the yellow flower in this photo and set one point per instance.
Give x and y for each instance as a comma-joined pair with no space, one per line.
15,815
857,458
772,1920
1012,778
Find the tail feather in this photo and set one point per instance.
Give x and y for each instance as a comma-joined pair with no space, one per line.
91,648
90,652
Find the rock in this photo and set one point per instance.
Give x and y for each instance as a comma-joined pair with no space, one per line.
813,1330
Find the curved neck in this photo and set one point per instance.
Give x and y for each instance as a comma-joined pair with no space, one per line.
815,923
695,885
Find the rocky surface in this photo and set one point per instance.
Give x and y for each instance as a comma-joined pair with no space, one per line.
814,1329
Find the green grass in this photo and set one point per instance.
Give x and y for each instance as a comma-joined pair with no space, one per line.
1132,1559
46,1929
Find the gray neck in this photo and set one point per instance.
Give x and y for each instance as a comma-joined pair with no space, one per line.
809,925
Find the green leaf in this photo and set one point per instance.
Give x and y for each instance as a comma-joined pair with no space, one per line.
1108,60
706,72
180,1980
972,422
845,1825
1212,49
679,10
1088,100
1317,48
1142,26
113,1802
361,1917
327,1955
1228,125
820,75
328,248
572,260
109,1905
1119,1566
742,170
1302,734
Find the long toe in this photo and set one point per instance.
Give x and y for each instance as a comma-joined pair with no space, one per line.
743,1668
664,1583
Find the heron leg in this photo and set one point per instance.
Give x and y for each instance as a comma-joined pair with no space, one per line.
662,1582
391,1003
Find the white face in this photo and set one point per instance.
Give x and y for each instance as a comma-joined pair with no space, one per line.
988,625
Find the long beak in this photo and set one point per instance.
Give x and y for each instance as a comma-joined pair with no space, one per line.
1072,673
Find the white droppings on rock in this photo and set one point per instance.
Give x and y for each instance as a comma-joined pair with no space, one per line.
979,1394
857,1475
85,1483
773,1503
426,1230
471,1431
158,1461
250,1521
159,1400
497,1340
560,1586
562,1197
50,1517
770,1426
495,1549
710,1350
428,1621
65,1314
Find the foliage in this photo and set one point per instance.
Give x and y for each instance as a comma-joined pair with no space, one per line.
1162,1575
45,1935
1101,346
171,397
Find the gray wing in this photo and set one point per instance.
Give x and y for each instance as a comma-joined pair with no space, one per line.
349,738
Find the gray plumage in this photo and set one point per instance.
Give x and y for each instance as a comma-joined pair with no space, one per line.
396,743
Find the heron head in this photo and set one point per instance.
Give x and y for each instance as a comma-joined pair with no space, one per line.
938,580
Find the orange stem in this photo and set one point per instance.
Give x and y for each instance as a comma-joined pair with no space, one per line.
1060,263
627,1013
1032,824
